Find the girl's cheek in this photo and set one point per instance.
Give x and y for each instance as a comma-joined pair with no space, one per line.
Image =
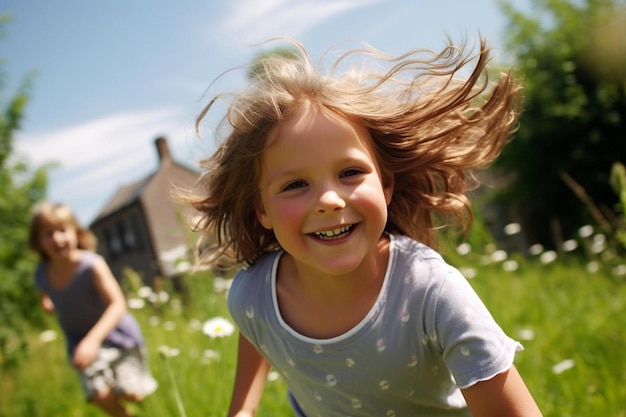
291,210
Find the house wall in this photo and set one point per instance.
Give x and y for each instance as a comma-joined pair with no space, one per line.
170,233
125,242
142,228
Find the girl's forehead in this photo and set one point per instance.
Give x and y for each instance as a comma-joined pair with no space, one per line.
307,119
49,223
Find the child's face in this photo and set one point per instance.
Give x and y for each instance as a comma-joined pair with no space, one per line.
322,192
58,240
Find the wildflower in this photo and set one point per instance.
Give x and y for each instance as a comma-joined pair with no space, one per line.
468,272
211,355
585,231
620,270
526,334
273,376
512,229
221,284
163,296
169,325
183,266
563,366
490,247
154,321
569,245
499,255
194,324
464,248
47,336
598,244
136,303
593,267
218,327
168,352
144,292
547,257
536,249
510,265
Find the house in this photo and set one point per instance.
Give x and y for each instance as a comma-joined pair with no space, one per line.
141,227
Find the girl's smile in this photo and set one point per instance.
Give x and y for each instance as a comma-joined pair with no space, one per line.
334,234
58,241
322,192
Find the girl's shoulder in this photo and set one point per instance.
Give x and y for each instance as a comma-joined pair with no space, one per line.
263,266
404,246
89,258
418,263
257,278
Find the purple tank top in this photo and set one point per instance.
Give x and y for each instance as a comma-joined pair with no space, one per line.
79,305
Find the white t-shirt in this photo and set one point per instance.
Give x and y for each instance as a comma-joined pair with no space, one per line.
427,335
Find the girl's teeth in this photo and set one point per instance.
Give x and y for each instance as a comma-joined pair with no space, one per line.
335,232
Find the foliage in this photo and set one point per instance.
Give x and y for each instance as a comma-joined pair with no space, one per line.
567,312
195,372
21,189
570,56
257,69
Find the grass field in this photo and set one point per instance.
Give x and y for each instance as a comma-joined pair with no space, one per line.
568,313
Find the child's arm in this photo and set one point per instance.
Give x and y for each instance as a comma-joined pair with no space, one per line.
504,395
252,370
106,284
47,304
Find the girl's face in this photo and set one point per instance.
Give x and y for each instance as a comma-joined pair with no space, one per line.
58,240
322,192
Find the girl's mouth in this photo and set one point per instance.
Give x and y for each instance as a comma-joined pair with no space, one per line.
334,234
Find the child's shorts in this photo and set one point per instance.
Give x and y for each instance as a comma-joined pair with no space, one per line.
125,371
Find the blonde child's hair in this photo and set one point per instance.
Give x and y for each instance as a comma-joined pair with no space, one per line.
48,213
429,128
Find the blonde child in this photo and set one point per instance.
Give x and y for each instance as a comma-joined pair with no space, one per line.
327,188
104,342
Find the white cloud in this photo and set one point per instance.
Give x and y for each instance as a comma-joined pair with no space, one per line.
98,156
253,21
93,142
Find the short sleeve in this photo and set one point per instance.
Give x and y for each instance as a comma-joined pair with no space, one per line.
473,345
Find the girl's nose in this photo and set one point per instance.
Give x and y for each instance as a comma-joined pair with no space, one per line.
329,201
58,236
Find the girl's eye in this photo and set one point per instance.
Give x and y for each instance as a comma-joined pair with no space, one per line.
294,185
350,172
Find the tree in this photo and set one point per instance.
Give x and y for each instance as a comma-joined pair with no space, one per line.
570,54
21,189
257,69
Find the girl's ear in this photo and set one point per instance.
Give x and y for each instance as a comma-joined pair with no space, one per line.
263,218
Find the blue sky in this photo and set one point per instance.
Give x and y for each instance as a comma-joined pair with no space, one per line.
112,76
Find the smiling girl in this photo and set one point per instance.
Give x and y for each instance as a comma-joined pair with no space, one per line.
326,189
104,342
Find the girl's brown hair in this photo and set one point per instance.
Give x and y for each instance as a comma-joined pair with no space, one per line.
430,130
48,213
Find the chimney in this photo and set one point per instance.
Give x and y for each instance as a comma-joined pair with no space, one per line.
163,150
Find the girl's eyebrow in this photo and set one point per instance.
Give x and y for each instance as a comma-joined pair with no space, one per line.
281,174
294,171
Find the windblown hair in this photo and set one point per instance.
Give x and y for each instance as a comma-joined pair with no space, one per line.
47,214
430,130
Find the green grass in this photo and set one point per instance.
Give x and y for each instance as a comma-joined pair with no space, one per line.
559,311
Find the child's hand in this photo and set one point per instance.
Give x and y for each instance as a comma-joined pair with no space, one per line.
47,304
85,353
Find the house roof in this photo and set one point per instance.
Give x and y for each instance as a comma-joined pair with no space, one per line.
124,197
129,194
